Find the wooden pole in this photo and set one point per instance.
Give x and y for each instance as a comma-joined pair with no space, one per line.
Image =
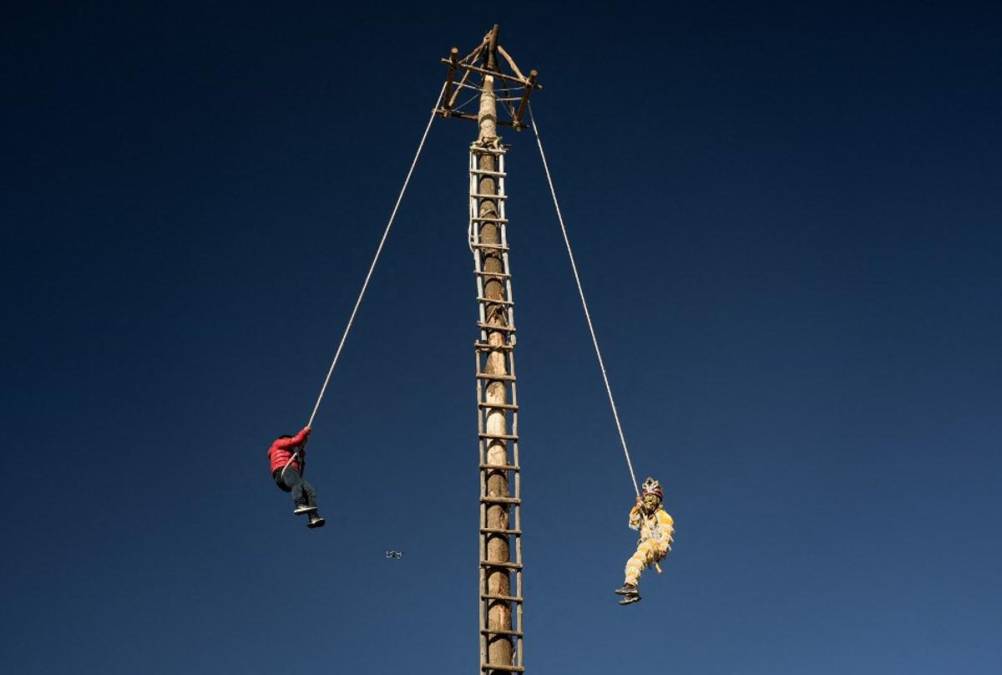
447,96
499,648
517,122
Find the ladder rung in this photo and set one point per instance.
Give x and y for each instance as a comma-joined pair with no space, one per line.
500,530
499,467
480,150
488,219
499,275
500,500
492,301
501,406
479,195
485,347
504,598
506,565
508,669
500,631
489,376
498,437
494,326
485,172
491,247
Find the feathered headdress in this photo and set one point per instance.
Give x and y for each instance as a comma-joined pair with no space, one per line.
652,487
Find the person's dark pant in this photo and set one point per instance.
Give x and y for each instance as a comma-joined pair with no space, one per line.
302,492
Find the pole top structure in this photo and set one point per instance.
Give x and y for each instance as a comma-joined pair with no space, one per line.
483,62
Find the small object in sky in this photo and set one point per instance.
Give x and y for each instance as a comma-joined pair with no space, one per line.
393,555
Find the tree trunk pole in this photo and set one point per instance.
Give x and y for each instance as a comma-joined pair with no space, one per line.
498,580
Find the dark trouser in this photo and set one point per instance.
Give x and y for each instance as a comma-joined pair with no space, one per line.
302,492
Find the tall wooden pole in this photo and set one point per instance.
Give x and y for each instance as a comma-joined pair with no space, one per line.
498,579
500,583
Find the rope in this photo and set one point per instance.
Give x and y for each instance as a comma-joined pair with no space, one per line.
375,259
584,303
302,464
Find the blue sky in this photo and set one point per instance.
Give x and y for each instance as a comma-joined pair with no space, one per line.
787,219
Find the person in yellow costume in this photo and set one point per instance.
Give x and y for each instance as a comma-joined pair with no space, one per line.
656,530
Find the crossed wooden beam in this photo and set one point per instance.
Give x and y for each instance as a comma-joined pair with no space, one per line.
486,55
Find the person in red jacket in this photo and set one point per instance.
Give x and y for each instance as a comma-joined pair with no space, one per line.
287,456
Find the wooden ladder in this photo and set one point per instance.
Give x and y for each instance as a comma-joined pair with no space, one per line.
497,424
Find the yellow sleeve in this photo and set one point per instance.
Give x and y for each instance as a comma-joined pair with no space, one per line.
634,521
666,521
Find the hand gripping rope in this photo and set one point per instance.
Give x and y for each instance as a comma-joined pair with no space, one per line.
584,303
375,259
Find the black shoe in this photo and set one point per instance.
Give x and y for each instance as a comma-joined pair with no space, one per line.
627,589
315,521
304,508
630,599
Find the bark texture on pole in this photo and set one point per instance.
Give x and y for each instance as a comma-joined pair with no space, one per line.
498,549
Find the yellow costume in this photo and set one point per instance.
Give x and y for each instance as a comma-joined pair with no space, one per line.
656,530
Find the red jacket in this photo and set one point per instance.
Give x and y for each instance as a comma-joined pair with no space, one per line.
283,448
